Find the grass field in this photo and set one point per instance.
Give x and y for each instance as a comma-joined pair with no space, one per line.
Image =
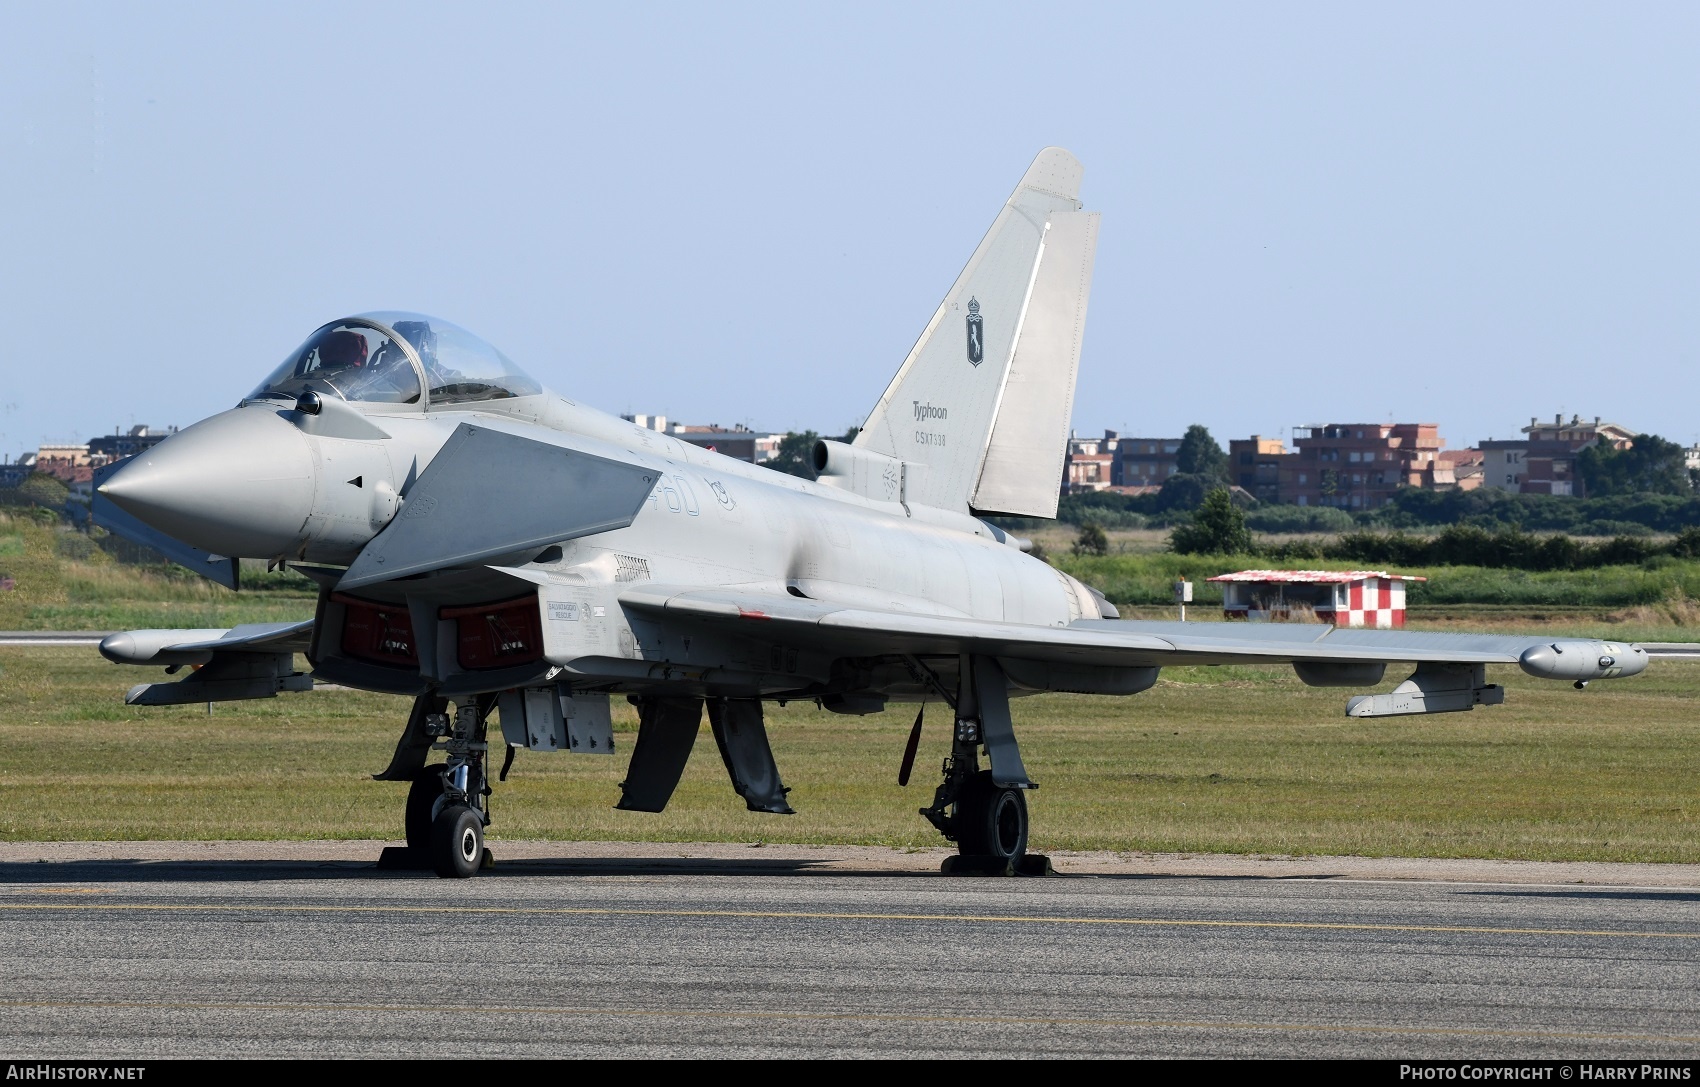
56,590
1147,579
1236,760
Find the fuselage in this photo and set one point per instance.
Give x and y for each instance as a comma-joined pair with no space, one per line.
268,480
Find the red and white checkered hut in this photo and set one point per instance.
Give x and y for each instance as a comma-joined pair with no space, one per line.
1348,598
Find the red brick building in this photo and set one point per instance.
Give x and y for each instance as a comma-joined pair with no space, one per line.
1466,466
1254,464
1090,463
1550,460
1356,466
1114,462
1146,462
69,463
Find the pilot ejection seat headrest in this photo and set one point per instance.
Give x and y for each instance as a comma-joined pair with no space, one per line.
423,338
342,349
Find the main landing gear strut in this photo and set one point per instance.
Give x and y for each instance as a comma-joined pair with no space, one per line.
984,811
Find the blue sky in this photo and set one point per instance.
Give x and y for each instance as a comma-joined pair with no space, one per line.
1456,213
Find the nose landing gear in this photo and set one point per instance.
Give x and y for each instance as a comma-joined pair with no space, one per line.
448,803
455,844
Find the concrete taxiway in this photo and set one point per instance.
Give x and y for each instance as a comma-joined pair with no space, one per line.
142,950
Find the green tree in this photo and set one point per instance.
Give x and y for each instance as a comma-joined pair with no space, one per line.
44,490
1200,466
796,455
1185,491
1199,455
1217,528
1651,465
1687,544
1092,540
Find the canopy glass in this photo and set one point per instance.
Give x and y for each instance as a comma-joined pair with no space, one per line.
398,358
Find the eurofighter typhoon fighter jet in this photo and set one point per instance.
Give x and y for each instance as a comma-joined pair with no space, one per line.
490,547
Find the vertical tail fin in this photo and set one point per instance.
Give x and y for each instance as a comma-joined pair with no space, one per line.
980,408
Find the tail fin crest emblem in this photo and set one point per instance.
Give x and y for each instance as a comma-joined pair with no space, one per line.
976,333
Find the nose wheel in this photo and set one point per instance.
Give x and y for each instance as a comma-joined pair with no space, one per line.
457,842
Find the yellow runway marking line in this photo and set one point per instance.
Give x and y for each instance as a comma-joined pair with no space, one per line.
800,915
850,1017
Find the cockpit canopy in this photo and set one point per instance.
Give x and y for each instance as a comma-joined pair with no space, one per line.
398,358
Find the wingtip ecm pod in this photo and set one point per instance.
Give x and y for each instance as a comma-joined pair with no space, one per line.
978,413
1583,660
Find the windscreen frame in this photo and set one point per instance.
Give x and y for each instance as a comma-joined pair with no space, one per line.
421,404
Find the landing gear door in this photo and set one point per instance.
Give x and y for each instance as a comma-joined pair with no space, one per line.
532,719
590,723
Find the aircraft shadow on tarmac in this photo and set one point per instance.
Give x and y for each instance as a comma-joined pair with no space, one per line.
259,871
1614,893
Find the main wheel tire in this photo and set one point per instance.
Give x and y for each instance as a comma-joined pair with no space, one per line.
421,804
991,819
457,842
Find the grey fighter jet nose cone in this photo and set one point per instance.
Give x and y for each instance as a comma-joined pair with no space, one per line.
239,484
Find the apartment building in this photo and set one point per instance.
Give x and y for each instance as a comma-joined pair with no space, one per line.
738,442
126,443
1254,464
1543,461
1089,464
1145,462
1361,465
